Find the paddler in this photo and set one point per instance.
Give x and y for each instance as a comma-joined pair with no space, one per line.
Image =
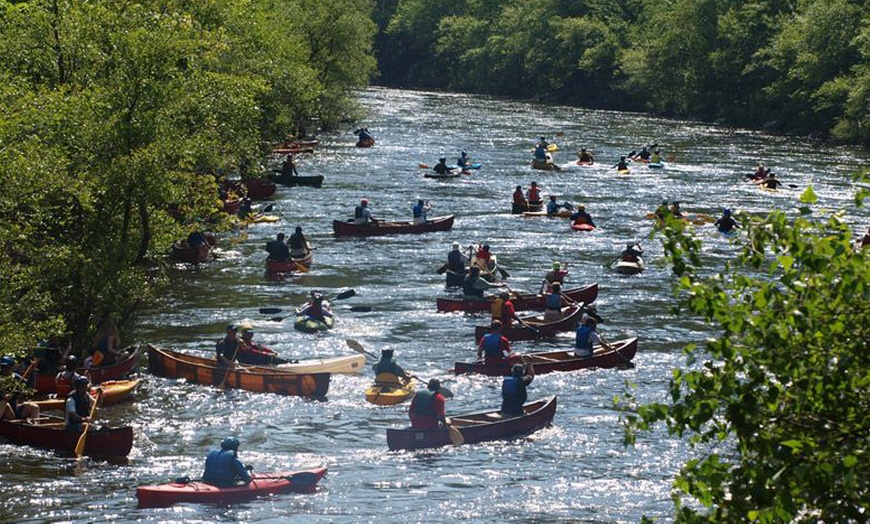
503,310
427,407
581,216
556,274
419,211
622,165
317,308
14,410
441,167
519,198
388,372
631,252
223,467
473,286
587,337
726,222
494,348
584,157
533,195
78,405
462,161
513,389
362,214
252,353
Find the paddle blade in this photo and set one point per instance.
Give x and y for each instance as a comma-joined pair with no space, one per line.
80,445
456,437
345,294
300,268
441,270
269,310
360,309
268,208
423,166
356,346
446,393
277,319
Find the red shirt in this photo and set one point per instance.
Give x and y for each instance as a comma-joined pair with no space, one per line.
534,194
519,197
483,254
507,313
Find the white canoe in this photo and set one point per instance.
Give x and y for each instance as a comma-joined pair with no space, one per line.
348,365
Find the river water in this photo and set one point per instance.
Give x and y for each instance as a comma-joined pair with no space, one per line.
576,470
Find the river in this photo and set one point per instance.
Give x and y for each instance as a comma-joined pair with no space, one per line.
576,470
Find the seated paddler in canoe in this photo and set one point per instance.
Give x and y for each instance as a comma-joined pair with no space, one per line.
419,211
362,214
456,267
503,310
15,384
473,286
495,349
587,336
427,410
556,274
513,389
256,354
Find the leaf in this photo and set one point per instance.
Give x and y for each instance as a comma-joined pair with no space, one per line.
809,196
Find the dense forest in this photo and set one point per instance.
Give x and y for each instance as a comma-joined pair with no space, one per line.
790,65
113,112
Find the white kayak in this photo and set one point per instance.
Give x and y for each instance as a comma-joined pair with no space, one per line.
348,365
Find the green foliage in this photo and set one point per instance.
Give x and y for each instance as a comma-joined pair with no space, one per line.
778,408
111,112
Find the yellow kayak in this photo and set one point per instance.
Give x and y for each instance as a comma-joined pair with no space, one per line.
114,392
389,394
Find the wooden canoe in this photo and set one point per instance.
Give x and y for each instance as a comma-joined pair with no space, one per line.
182,252
536,328
231,206
478,427
522,301
44,383
260,188
390,395
198,492
278,268
365,142
382,227
49,433
114,392
548,361
198,370
518,209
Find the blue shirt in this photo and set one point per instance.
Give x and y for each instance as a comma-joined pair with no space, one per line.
223,468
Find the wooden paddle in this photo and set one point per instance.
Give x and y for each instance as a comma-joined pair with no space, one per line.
443,269
628,364
80,445
456,437
223,384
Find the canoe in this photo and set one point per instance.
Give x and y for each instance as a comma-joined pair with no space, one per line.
48,433
311,181
626,267
562,213
260,188
182,252
549,361
365,142
570,318
517,209
478,427
44,383
522,301
198,492
199,370
114,392
348,365
381,227
280,268
582,227
390,395
307,324
231,206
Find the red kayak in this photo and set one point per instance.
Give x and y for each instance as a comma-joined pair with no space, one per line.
163,495
582,227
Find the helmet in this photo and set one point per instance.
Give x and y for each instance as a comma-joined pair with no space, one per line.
535,184
557,265
726,212
80,381
581,207
442,159
517,370
364,202
71,360
553,197
434,384
504,295
7,360
230,443
456,246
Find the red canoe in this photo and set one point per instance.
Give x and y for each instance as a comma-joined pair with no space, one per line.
365,142
48,433
478,427
260,188
381,227
545,362
182,252
44,383
163,495
536,328
522,302
232,205
583,227
276,269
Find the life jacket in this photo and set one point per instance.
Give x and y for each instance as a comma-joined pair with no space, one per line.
469,289
418,211
387,379
358,212
514,388
297,241
63,383
386,366
423,403
497,309
455,263
519,197
553,301
492,345
221,468
83,403
584,338
534,194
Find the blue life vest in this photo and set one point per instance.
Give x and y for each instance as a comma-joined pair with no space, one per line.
358,212
513,394
386,366
423,403
492,345
554,301
418,210
468,287
584,338
223,468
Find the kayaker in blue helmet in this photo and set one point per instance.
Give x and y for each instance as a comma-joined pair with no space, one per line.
223,467
462,161
726,222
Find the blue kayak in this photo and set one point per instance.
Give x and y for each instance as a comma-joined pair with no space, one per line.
476,165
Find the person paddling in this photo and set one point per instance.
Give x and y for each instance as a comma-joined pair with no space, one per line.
584,157
622,165
277,249
427,410
456,264
441,167
587,337
316,308
726,222
298,244
78,405
388,372
503,310
519,199
513,389
494,348
362,214
533,195
582,217
632,252
419,211
463,161
223,467
771,182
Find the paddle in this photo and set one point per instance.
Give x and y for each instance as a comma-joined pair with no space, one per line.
80,445
341,296
456,437
359,348
630,155
591,312
223,383
443,269
628,364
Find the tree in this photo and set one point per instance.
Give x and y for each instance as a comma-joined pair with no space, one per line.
778,409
